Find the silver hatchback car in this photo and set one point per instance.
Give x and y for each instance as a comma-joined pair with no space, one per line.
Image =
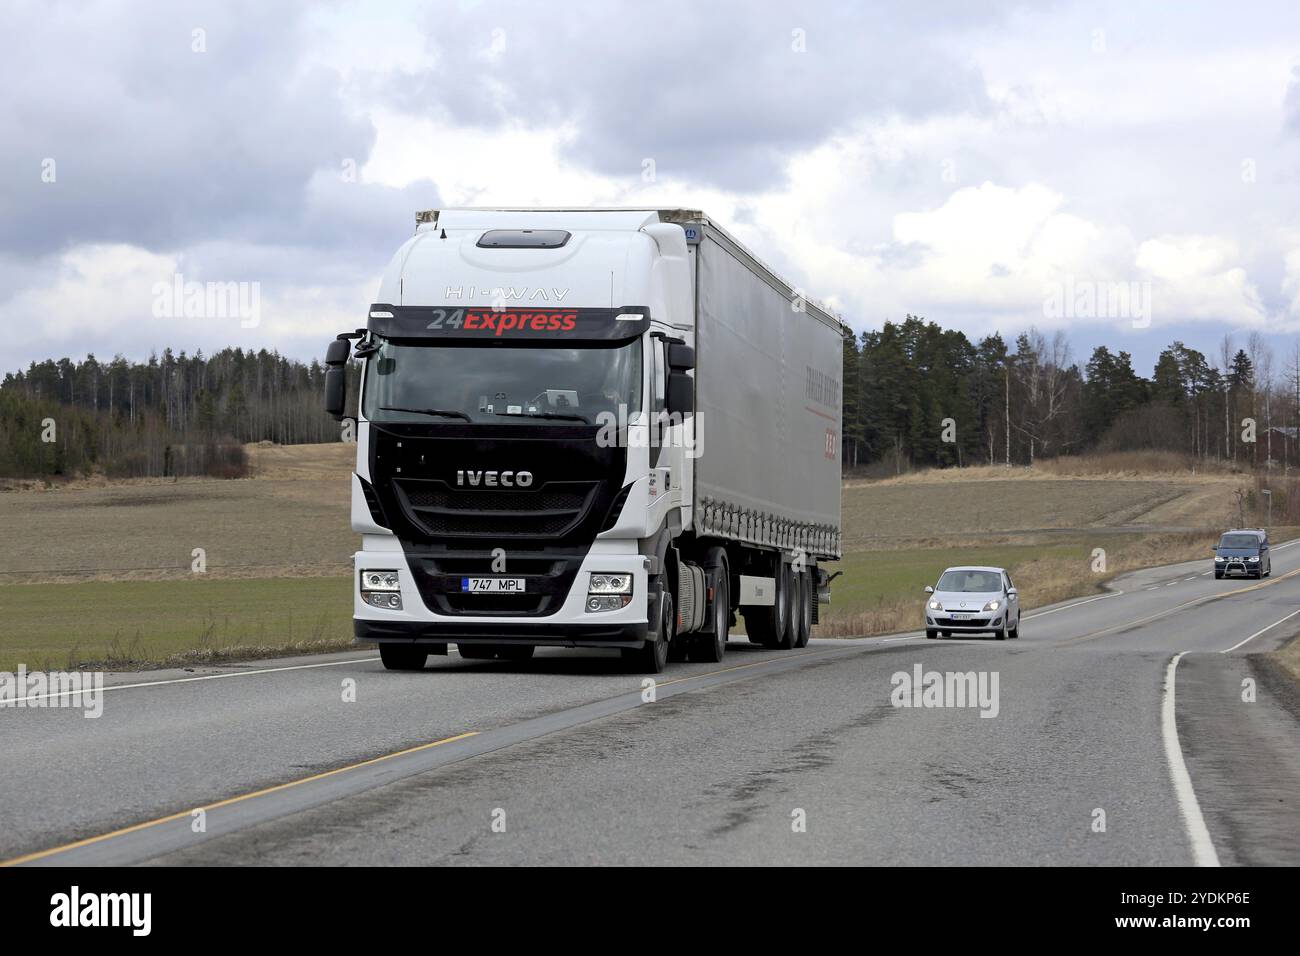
973,600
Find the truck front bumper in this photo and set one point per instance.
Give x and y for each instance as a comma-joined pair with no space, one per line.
465,632
570,624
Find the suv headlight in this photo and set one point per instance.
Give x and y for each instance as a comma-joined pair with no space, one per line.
381,589
1253,557
992,605
1219,559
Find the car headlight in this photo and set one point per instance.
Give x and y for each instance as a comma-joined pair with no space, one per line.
992,605
1219,559
610,582
1253,557
934,606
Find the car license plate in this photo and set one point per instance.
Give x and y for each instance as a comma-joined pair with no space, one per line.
960,615
492,585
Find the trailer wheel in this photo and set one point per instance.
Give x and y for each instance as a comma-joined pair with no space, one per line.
803,620
767,625
403,657
652,656
788,585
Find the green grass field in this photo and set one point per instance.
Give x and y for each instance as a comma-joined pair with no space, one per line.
125,624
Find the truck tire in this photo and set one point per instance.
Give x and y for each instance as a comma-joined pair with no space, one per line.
803,620
652,656
767,625
403,657
709,648
788,583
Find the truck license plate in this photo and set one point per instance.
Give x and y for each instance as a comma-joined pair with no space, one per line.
492,585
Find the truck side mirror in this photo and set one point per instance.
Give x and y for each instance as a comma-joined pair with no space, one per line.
681,357
336,391
680,399
336,377
338,352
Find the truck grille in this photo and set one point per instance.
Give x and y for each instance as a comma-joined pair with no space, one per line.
547,579
441,510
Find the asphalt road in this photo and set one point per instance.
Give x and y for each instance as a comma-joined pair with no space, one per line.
770,757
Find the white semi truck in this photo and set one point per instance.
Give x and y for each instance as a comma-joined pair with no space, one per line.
589,428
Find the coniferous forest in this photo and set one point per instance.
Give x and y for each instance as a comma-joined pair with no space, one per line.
915,395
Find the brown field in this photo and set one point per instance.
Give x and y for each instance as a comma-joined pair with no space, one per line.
292,519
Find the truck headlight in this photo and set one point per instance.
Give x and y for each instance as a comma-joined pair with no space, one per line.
379,581
610,582
381,589
992,605
609,590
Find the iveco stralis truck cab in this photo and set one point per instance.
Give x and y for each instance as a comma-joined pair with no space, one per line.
525,443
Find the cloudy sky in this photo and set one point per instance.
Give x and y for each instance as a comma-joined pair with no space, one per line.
988,166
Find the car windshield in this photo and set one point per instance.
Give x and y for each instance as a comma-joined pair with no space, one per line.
970,581
1239,541
409,383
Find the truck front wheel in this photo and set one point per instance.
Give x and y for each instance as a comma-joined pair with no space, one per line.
652,656
403,657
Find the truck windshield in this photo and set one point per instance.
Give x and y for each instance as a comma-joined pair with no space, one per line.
410,383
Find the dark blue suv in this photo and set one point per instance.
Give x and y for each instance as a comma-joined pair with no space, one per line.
1243,551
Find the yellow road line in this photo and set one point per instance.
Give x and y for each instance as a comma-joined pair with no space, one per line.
225,803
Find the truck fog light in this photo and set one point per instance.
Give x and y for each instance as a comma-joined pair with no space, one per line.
607,602
380,599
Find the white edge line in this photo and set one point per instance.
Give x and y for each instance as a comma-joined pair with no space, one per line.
190,680
1259,632
1099,597
1202,846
